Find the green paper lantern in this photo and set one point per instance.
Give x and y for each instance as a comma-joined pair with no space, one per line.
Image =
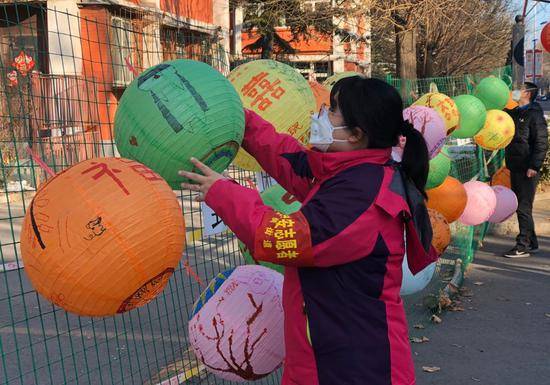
250,261
177,110
472,116
277,198
440,166
493,92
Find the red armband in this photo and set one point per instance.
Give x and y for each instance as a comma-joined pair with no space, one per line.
284,240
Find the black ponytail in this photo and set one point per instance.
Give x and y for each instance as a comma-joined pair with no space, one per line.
415,161
377,109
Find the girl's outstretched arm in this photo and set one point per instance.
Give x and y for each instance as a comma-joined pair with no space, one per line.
281,156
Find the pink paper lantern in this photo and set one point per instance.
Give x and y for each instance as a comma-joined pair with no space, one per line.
236,329
480,205
431,126
507,204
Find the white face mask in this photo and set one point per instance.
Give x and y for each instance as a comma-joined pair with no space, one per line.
516,95
321,131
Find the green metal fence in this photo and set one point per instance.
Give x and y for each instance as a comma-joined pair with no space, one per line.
63,109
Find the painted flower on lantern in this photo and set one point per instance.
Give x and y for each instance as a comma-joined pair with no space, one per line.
12,78
23,63
236,328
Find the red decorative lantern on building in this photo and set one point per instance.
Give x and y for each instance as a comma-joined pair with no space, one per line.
545,37
23,63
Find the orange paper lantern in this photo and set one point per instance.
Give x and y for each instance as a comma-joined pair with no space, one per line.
511,104
102,237
321,94
449,199
441,231
502,178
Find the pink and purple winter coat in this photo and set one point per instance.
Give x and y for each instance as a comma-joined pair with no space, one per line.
343,251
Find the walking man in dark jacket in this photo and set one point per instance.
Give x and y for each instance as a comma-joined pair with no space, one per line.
524,157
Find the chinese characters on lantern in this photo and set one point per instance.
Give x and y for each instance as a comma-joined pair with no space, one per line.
102,169
447,110
262,91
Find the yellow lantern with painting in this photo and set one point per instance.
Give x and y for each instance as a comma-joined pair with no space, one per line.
497,132
279,94
444,106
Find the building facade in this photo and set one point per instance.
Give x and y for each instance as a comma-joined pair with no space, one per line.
319,56
85,53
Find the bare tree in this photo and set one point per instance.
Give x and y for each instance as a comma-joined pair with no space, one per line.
405,17
468,36
440,37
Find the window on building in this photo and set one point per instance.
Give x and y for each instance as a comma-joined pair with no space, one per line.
317,5
123,43
322,70
173,43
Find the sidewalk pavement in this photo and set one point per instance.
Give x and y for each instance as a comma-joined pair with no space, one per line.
502,337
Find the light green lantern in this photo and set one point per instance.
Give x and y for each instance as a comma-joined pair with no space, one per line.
472,116
277,198
177,110
331,80
440,166
493,92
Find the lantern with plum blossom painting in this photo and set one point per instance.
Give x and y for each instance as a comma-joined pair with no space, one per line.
236,328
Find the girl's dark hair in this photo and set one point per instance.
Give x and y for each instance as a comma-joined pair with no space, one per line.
377,109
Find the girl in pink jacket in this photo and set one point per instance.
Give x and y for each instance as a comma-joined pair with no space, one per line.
343,251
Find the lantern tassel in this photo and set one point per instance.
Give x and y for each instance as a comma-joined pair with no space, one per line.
192,274
130,66
40,162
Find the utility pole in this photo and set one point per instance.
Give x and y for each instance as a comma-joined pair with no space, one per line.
518,61
535,44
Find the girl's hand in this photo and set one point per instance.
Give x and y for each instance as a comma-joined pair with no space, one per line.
204,182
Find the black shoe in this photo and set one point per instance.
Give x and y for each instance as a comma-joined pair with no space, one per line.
515,253
533,250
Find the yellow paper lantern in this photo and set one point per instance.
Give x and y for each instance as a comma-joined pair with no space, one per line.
331,80
511,104
102,237
445,107
497,132
279,94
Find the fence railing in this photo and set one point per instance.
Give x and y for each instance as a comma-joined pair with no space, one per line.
67,118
